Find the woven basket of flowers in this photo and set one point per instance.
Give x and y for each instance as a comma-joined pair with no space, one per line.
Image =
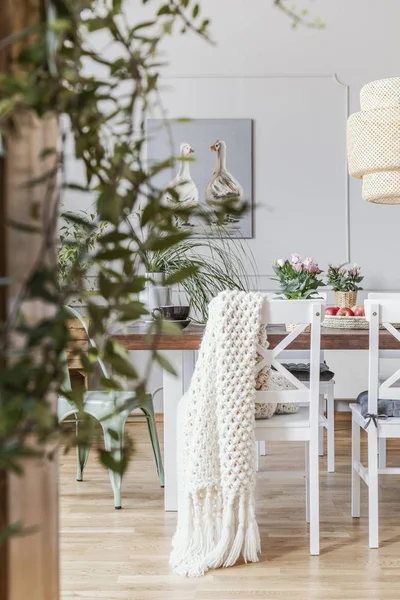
344,283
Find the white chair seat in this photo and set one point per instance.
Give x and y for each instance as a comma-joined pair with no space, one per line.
385,426
292,427
298,419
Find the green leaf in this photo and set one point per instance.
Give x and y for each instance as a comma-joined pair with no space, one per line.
164,10
196,10
181,275
113,237
113,434
116,6
76,186
115,254
143,25
109,206
135,286
95,24
162,243
77,220
165,328
110,384
133,311
60,25
164,363
15,529
109,461
106,286
122,366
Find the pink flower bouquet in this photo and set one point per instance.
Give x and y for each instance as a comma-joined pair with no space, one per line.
298,278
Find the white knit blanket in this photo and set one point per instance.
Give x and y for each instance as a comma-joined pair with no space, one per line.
216,471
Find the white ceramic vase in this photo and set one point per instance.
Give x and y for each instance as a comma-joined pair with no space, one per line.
158,294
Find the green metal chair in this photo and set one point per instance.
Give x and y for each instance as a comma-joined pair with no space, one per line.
102,406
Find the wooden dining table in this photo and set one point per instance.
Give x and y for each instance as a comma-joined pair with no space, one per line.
180,350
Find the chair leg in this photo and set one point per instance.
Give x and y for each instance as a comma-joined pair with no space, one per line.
151,423
355,478
263,448
307,478
373,490
382,453
330,414
314,496
115,447
82,454
322,428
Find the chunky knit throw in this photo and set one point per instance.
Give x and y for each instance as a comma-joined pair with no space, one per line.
216,474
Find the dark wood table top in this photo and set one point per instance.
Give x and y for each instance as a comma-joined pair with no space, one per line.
133,338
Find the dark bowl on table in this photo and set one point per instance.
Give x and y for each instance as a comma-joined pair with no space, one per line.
171,313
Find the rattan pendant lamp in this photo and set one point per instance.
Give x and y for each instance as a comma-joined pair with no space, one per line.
373,141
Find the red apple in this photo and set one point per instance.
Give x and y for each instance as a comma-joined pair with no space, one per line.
358,311
345,312
331,311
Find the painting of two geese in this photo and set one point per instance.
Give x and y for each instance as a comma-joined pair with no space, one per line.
213,167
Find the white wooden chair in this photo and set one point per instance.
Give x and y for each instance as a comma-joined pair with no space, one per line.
379,309
326,405
383,375
303,425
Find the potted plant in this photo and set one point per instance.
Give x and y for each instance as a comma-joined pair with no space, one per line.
210,265
344,283
298,279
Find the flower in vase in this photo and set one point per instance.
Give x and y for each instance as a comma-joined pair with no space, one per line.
296,259
298,267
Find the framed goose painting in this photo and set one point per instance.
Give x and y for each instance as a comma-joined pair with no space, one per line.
220,169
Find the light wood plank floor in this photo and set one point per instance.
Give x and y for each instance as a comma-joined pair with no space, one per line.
123,555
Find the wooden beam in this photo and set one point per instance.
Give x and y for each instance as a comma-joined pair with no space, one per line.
4,31
29,566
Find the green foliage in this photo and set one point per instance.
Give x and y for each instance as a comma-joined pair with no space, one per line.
298,278
77,240
344,280
52,72
204,267
298,17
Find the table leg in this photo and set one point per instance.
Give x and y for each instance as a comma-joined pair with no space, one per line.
173,392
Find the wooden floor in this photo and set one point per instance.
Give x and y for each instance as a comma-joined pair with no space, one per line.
115,555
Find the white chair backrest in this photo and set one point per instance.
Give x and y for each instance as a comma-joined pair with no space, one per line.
303,312
383,296
381,309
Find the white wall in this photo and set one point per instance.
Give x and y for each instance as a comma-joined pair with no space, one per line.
298,86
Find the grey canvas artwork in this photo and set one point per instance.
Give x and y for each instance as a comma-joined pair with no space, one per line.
221,169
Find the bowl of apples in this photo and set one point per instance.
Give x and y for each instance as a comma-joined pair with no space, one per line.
345,318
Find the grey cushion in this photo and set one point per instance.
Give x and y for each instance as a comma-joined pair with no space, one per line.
302,371
391,408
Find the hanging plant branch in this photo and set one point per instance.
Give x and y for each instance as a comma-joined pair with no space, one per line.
49,73
299,16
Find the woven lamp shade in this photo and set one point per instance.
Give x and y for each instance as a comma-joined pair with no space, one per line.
373,141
